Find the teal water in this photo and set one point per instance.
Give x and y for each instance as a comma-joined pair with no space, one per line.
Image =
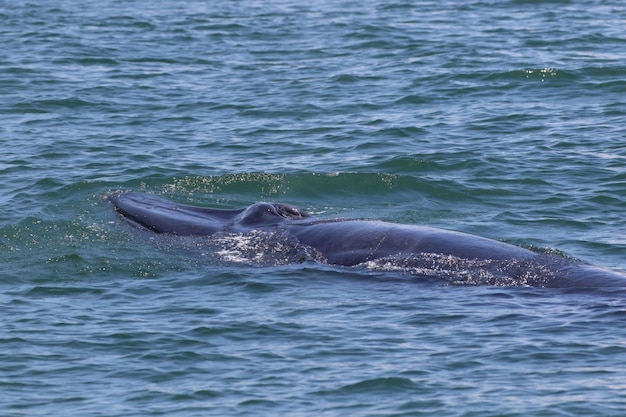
503,119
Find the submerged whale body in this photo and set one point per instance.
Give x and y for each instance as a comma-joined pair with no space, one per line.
426,251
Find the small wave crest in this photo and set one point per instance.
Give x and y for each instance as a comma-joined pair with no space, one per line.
261,248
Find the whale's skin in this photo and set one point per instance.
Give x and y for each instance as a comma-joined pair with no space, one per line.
350,242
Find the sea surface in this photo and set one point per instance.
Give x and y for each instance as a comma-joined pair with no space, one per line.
505,119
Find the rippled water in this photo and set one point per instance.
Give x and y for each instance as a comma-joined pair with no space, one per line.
503,119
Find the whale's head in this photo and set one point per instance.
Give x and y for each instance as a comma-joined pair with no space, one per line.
266,214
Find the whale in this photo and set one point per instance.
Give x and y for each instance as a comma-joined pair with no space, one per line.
424,251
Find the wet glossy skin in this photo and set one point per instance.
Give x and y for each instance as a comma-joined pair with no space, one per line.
350,242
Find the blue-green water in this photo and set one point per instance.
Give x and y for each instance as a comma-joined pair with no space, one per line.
504,119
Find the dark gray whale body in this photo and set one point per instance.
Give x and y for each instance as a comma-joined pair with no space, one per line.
426,250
